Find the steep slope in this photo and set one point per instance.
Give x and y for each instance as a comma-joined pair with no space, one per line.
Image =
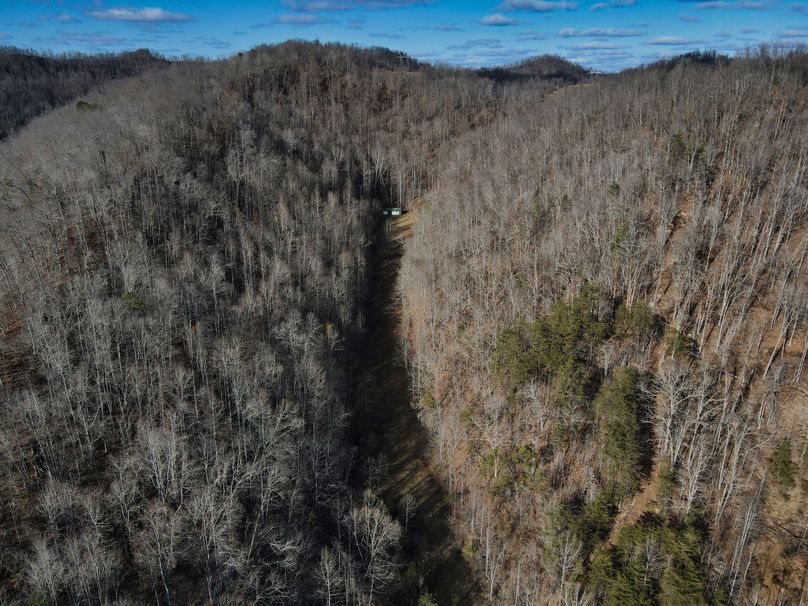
605,297
31,84
185,303
182,434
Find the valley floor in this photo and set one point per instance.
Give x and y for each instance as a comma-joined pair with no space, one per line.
393,446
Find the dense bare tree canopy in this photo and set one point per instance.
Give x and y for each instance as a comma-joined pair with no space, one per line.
606,298
603,319
31,84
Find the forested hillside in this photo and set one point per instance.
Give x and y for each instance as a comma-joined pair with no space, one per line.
31,84
606,300
183,317
603,313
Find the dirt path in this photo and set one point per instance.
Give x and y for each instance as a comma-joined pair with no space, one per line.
393,445
644,500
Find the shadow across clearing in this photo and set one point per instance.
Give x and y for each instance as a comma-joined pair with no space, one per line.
392,445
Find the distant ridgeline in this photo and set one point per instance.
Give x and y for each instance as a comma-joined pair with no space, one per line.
33,83
548,67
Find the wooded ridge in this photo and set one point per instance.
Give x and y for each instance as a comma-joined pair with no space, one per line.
603,323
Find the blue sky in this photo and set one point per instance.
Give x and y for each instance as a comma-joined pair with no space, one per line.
603,34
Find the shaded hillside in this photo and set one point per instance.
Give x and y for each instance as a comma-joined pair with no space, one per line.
606,300
33,83
393,449
184,311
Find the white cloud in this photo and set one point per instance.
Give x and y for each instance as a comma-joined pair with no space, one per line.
299,19
91,40
143,15
213,42
612,4
757,5
673,41
531,36
596,46
795,32
60,17
477,43
499,20
599,32
608,59
346,5
539,6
